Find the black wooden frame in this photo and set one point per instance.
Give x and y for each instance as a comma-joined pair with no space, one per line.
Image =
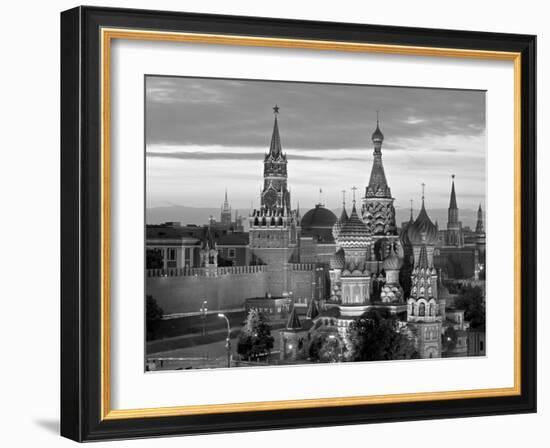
80,223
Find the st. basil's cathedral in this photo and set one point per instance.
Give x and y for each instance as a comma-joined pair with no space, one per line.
372,264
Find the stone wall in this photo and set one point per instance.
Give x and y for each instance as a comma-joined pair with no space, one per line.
185,293
182,291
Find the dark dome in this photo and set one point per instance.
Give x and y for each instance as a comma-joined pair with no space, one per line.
318,217
318,222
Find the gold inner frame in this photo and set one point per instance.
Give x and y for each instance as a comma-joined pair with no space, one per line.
107,35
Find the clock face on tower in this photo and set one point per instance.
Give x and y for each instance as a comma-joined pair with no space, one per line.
270,198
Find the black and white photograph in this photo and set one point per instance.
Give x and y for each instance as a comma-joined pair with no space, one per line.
296,223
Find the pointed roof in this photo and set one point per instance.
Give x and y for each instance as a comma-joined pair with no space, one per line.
225,202
452,202
275,148
293,323
312,310
344,215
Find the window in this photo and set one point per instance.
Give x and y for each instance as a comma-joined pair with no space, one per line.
422,309
231,253
171,254
480,346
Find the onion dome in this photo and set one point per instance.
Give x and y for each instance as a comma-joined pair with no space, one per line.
392,262
423,230
377,135
391,293
338,260
354,233
318,223
356,270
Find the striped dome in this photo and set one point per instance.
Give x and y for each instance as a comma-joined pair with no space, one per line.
354,234
339,223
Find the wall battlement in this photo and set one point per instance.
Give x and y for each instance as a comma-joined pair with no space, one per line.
204,272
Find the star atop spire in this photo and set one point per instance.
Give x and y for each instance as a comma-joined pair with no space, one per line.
275,147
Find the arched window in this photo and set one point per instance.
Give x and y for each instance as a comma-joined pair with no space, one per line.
422,309
432,309
412,309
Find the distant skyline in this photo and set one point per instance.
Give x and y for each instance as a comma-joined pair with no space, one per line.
206,135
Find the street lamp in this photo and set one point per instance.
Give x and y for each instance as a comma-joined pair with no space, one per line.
228,339
204,309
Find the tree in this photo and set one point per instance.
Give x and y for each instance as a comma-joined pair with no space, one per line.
473,304
153,316
376,337
324,348
255,338
449,339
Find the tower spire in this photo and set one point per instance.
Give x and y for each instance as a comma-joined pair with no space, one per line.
452,202
275,146
479,223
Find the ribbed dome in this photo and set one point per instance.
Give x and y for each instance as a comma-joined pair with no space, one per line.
318,222
423,230
339,223
354,233
392,262
377,135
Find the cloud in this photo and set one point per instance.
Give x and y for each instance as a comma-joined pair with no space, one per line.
202,111
226,155
203,135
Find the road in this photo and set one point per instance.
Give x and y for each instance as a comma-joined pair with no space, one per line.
201,356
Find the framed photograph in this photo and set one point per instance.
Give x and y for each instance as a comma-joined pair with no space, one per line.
276,224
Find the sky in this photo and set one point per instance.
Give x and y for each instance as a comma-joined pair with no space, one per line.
204,135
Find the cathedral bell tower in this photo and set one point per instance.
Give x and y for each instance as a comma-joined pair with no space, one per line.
378,212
